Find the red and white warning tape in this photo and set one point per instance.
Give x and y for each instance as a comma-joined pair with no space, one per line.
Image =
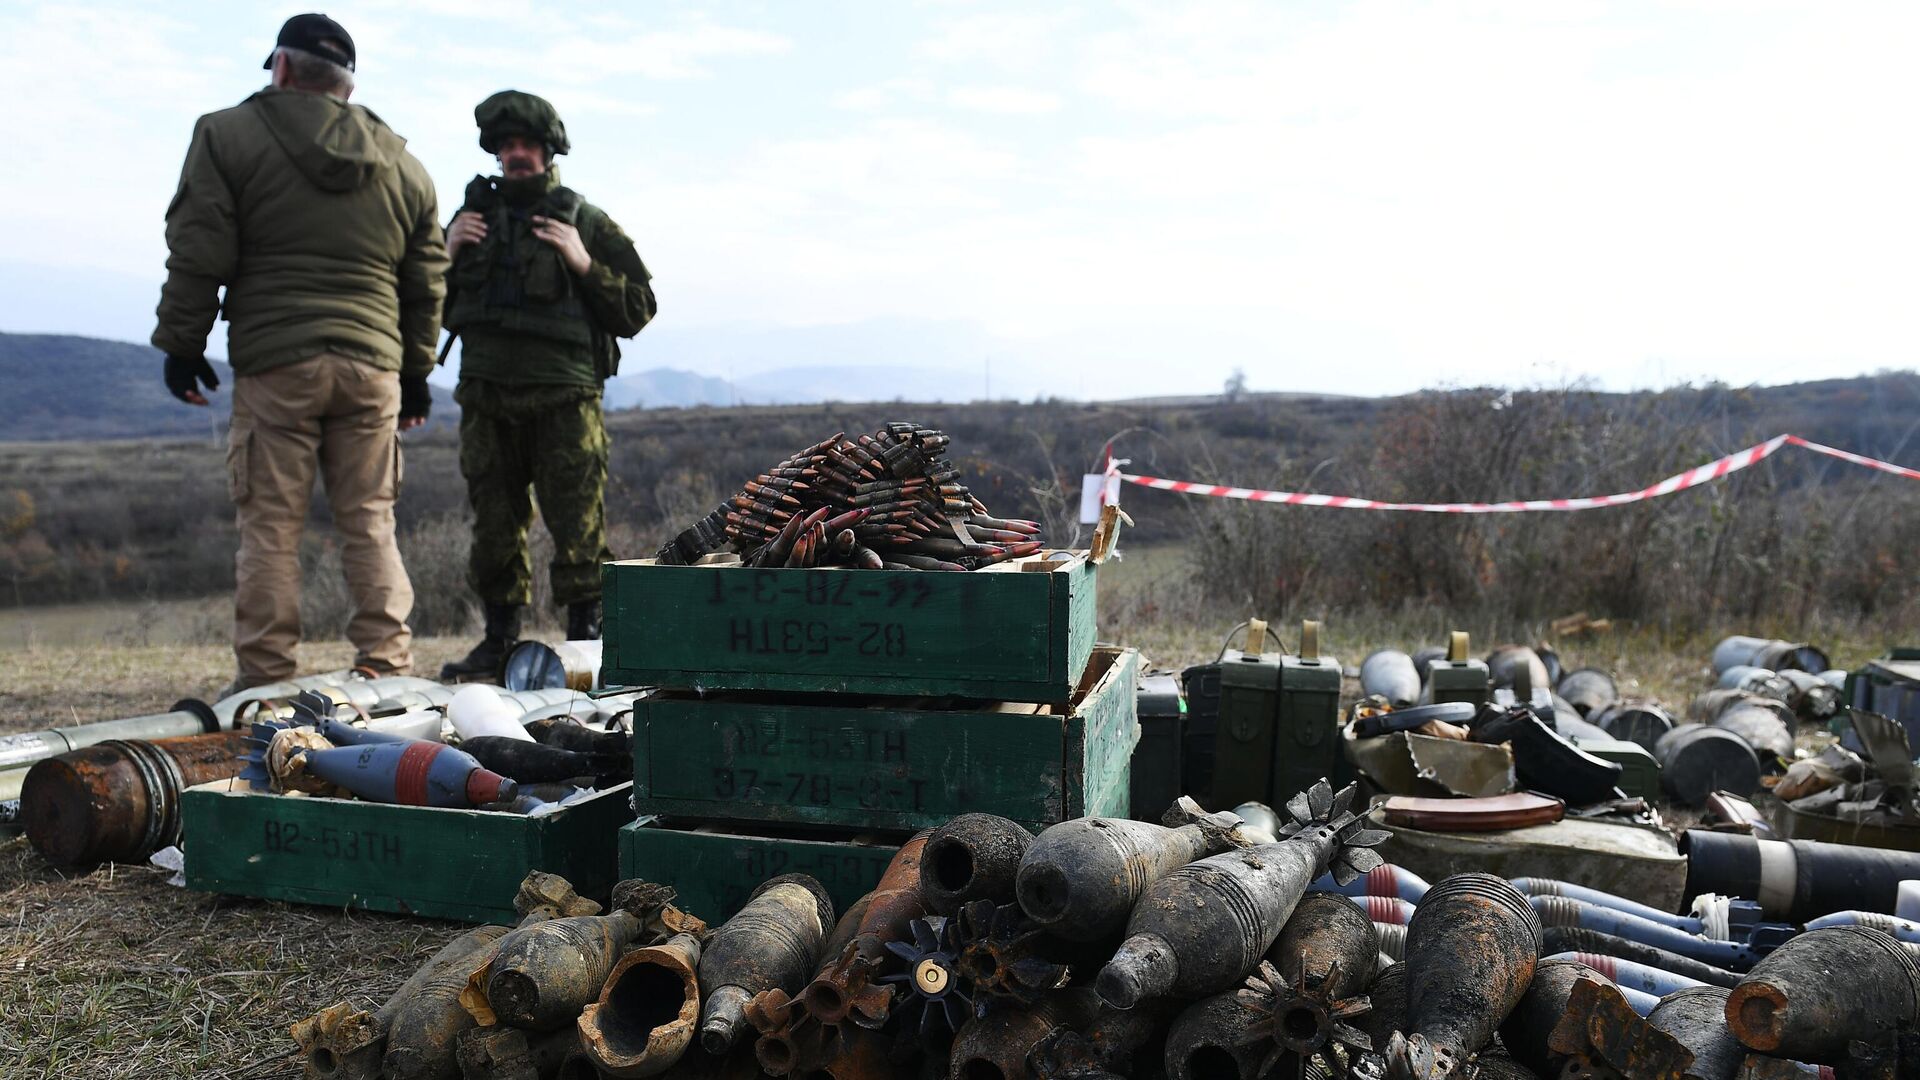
1712,470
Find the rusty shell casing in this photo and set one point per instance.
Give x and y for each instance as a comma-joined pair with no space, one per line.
1525,1030
1081,879
1201,929
972,857
1810,997
1215,1039
341,1043
999,1043
507,1053
1328,946
774,941
644,1020
543,975
1471,950
1697,1018
119,801
425,1024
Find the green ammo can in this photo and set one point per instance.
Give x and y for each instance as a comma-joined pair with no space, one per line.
1157,769
1639,770
1458,677
1243,745
1306,741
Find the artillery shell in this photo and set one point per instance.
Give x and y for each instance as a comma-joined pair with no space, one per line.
1471,950
543,975
1080,879
644,1018
1697,1018
774,941
505,1053
1214,1039
972,857
1325,954
527,762
119,800
1810,997
425,1023
1525,1030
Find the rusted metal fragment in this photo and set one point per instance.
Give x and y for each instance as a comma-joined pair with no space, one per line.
644,1019
119,801
1823,989
428,1019
845,990
1107,1046
1471,951
972,857
341,1042
552,896
1606,1040
1000,1043
1762,1067
1007,957
774,941
791,1039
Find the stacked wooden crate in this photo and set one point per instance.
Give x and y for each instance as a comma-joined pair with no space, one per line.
809,720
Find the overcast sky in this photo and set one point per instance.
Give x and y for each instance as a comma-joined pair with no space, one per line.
1098,199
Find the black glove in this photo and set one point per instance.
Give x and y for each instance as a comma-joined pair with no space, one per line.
416,400
183,372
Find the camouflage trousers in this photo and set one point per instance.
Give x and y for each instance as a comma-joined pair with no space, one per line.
547,441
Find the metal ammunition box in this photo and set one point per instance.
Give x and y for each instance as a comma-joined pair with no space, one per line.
1459,680
1017,631
715,869
1155,775
415,860
887,764
1306,742
1237,702
1639,770
1889,686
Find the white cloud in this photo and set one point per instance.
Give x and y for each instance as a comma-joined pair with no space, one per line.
1003,99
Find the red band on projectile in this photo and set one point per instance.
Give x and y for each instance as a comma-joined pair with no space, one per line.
410,776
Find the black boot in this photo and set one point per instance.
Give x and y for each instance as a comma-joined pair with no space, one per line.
583,620
503,629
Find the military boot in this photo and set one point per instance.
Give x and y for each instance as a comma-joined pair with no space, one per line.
502,630
583,620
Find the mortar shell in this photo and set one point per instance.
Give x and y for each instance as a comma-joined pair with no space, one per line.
998,1044
1526,1029
972,857
1214,1039
1807,999
1697,1017
543,975
1471,949
774,941
1080,879
1328,946
423,1027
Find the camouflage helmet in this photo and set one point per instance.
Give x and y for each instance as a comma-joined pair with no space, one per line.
514,112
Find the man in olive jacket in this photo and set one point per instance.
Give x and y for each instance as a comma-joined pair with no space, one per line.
323,231
542,286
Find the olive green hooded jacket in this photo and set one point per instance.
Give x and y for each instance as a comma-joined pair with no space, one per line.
321,227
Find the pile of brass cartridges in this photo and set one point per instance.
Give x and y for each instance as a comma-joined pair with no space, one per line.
889,500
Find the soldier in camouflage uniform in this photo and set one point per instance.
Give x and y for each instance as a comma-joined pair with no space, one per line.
542,286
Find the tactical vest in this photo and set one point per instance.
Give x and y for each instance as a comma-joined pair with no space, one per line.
515,282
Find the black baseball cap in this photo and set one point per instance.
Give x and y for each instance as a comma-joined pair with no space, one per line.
318,35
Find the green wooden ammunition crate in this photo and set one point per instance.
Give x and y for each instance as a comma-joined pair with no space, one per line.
715,871
415,860
778,758
1006,633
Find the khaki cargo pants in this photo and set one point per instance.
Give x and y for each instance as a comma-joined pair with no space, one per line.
339,415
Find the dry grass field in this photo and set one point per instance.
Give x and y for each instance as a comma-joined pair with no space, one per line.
115,974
